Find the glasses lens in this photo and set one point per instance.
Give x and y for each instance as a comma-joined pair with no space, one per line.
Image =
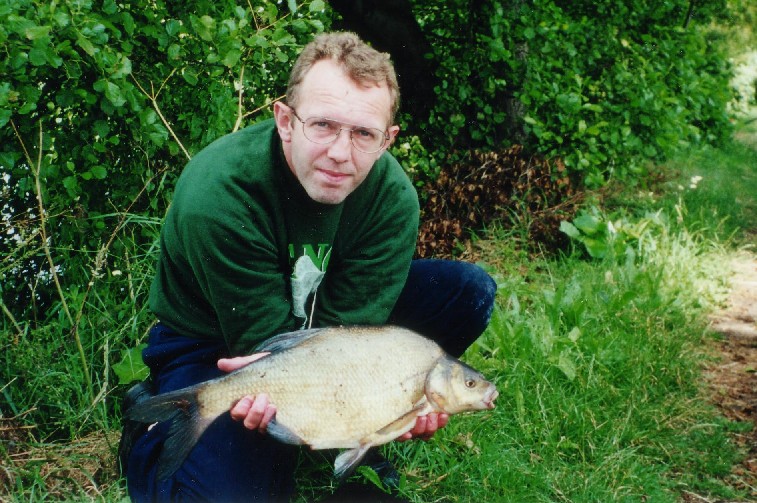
365,139
319,130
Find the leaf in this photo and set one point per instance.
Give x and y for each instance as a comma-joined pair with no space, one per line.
317,6
281,55
173,27
292,4
204,27
36,32
587,224
131,367
190,76
232,57
7,159
72,186
37,56
596,248
570,229
86,45
101,128
574,334
566,364
371,476
112,92
99,172
123,69
569,102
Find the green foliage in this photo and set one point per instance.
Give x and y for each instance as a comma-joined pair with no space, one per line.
606,86
131,367
101,104
473,49
604,238
419,164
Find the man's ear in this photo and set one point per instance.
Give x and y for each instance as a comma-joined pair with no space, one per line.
283,115
392,133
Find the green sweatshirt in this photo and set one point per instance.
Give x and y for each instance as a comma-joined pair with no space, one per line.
246,254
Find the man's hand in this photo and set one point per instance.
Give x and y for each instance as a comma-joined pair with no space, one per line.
255,412
426,426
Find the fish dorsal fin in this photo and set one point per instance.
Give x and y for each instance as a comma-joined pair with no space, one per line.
287,340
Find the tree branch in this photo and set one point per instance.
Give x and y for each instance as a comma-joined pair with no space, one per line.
153,97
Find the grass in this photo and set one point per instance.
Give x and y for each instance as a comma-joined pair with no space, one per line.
598,362
598,366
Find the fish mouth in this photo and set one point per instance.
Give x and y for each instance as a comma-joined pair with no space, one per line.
490,397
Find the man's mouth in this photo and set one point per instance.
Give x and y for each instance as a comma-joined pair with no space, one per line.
334,177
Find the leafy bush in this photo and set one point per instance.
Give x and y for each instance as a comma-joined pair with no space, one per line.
606,86
101,105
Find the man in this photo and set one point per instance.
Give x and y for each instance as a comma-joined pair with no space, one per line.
304,220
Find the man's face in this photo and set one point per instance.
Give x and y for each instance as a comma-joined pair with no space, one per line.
330,172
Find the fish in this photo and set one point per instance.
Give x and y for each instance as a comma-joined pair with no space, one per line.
349,388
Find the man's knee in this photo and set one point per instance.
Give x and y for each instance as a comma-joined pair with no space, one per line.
479,290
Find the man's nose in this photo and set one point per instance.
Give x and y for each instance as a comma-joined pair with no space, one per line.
341,149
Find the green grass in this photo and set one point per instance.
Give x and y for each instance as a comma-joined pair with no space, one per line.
726,191
598,362
598,368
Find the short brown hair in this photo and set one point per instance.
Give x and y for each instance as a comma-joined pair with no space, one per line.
360,61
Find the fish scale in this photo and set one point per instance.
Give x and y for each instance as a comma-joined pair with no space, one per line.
315,403
343,387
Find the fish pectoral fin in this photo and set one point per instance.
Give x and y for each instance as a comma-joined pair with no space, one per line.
283,434
399,426
183,434
348,460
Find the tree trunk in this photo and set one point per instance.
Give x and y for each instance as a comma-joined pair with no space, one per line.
390,26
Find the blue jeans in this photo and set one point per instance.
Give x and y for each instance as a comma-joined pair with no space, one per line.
448,301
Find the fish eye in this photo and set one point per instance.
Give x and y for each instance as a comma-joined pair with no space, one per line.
470,383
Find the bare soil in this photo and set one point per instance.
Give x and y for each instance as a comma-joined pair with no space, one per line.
733,376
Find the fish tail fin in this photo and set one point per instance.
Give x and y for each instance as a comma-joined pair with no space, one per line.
161,407
181,408
348,460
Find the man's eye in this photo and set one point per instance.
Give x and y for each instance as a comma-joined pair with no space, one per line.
366,134
322,124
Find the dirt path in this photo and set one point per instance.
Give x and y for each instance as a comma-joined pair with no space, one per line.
733,378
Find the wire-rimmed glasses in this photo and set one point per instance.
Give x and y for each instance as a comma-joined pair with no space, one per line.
324,131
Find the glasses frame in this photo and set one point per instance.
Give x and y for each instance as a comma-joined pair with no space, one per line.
350,129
